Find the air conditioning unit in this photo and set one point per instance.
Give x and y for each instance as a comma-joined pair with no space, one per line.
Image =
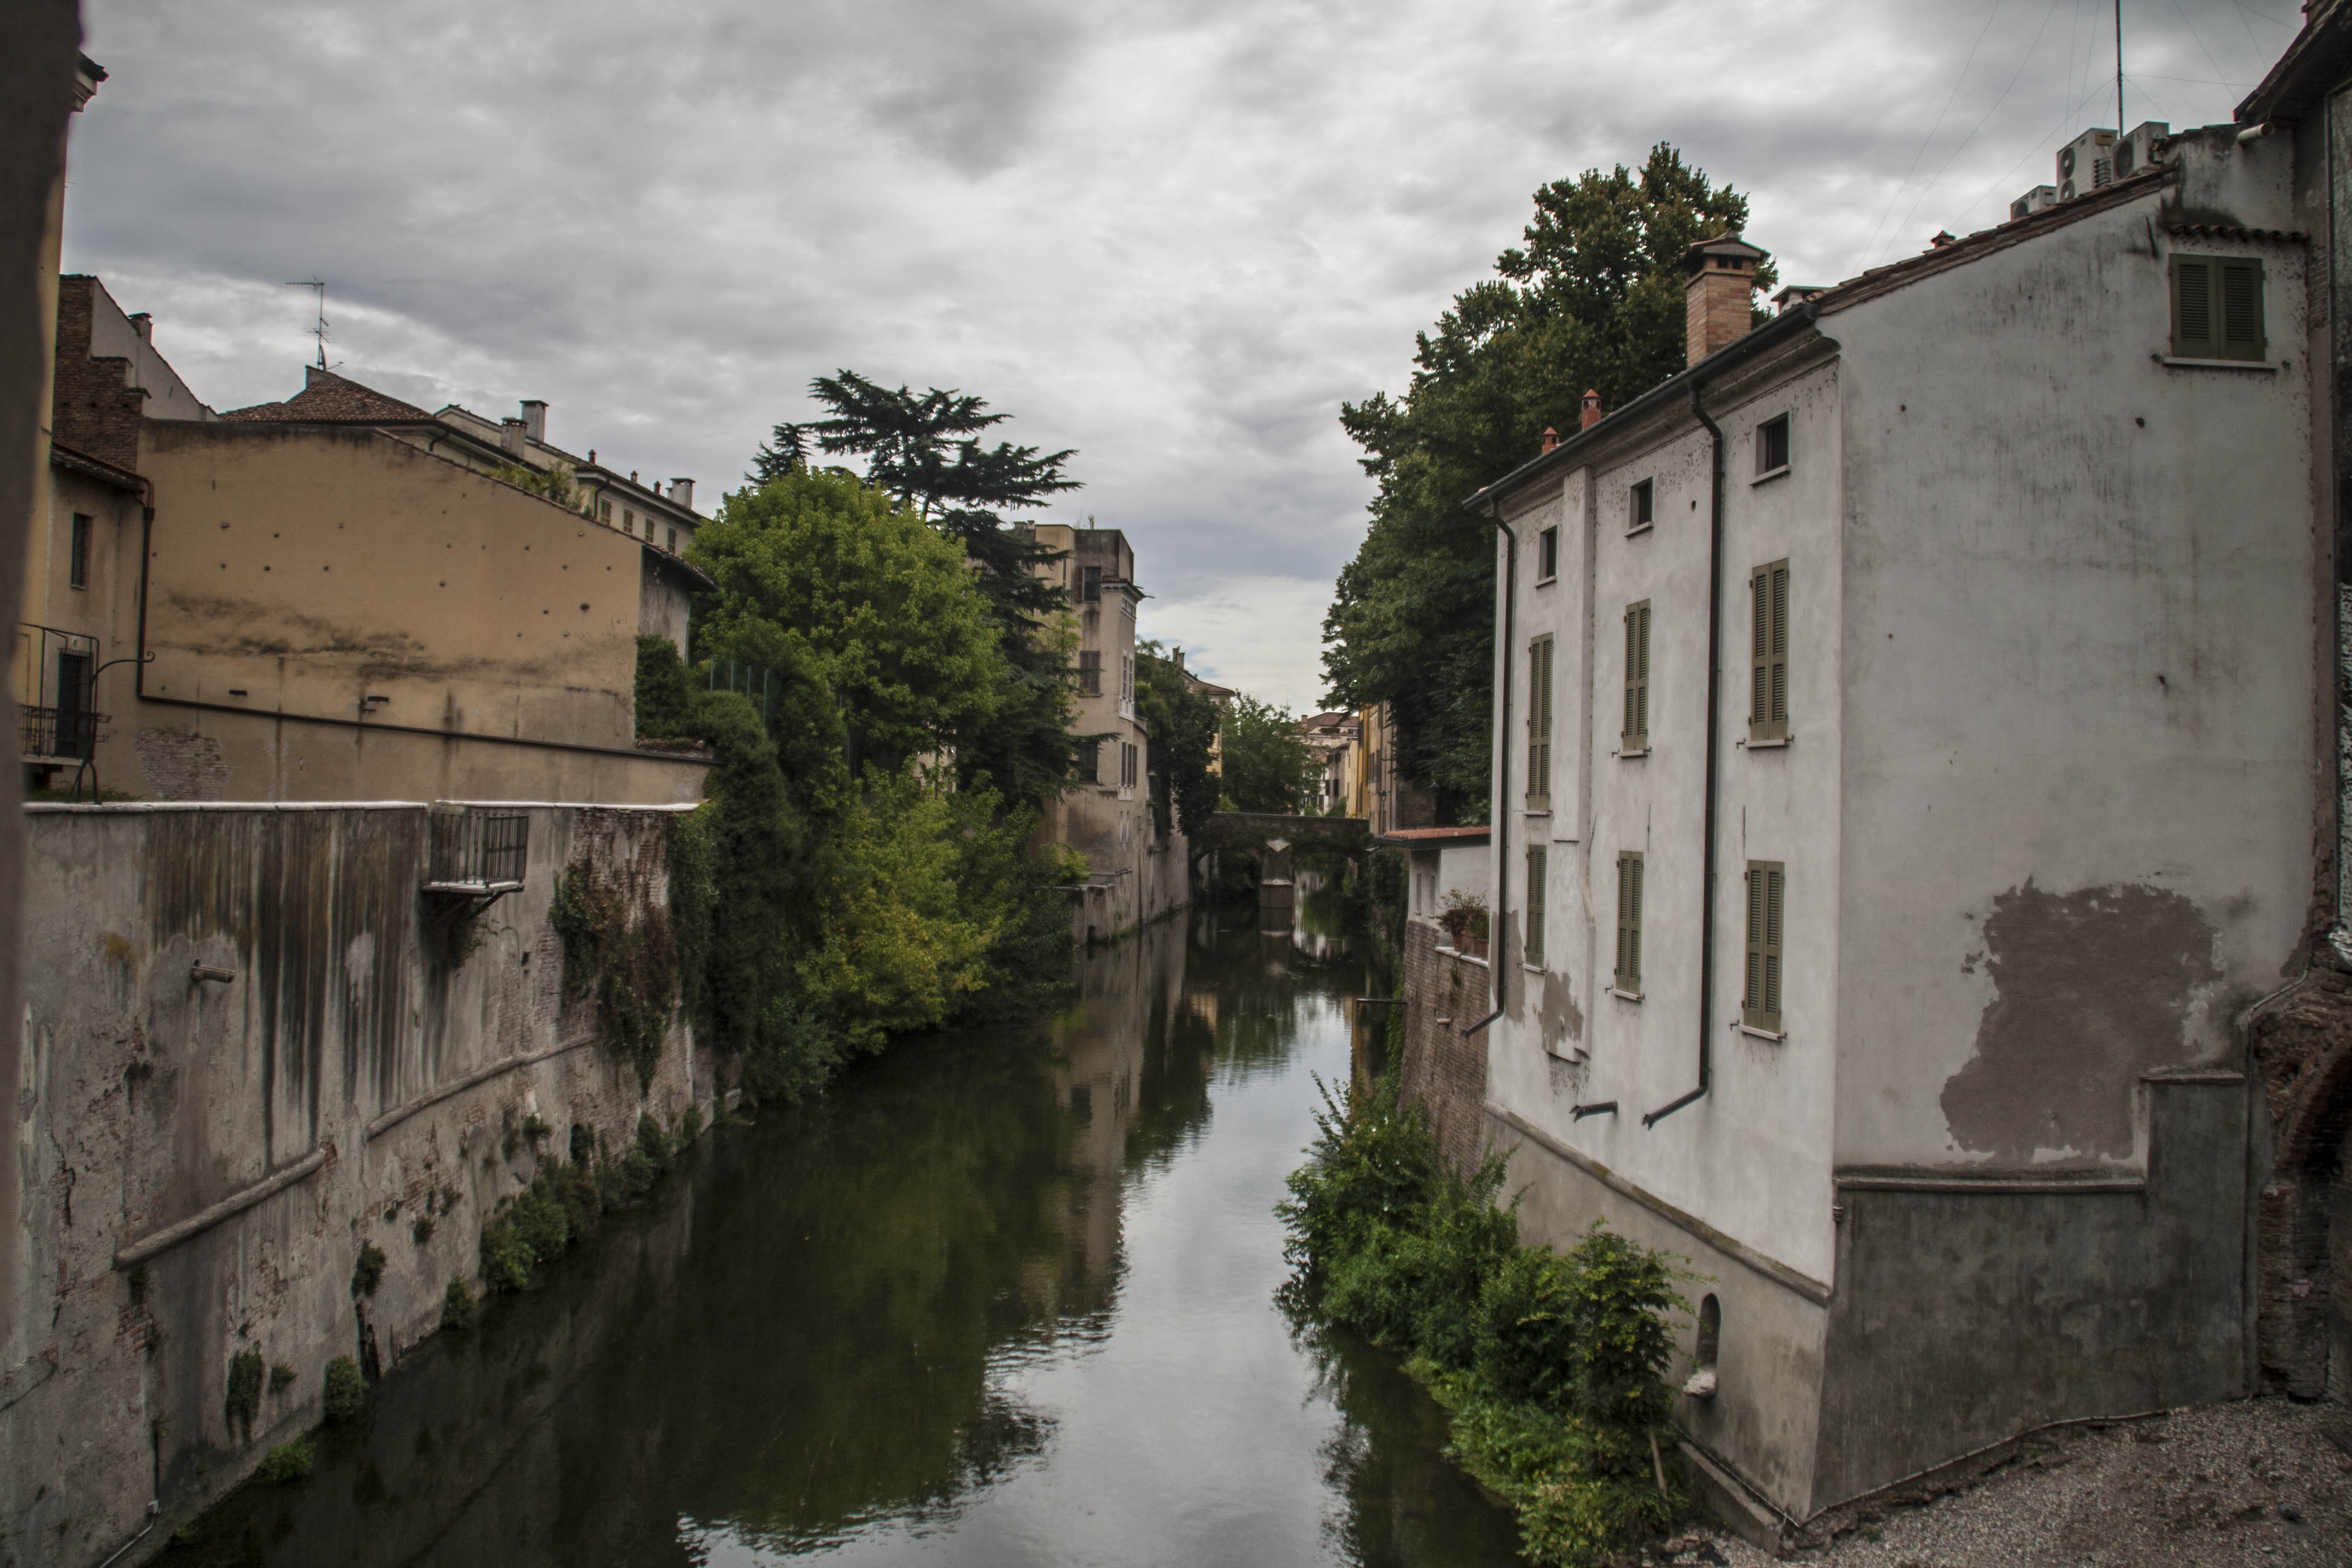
2086,165
2143,149
2033,201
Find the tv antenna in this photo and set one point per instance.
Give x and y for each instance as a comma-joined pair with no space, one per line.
318,287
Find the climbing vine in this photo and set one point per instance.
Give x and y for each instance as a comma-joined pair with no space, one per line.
630,968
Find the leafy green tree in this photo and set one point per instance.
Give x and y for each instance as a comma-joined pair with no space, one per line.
925,449
1594,300
1183,726
819,567
1266,763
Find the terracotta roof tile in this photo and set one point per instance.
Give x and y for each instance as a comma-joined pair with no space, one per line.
330,399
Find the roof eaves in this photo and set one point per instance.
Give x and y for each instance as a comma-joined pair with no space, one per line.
2314,63
1741,349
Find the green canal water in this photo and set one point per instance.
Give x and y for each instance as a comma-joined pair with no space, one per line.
1003,1297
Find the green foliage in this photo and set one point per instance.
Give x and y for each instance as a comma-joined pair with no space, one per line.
879,604
241,1401
630,967
1266,763
662,691
1551,1365
281,1377
346,1390
285,1464
422,1231
556,483
1183,726
459,1308
1594,300
1385,890
368,1272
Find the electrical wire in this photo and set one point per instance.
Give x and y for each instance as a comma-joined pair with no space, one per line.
1872,248
2024,60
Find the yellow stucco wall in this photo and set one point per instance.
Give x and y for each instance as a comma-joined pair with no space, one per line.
350,578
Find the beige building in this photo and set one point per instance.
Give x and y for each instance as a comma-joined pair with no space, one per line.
1377,791
1134,874
335,597
1334,745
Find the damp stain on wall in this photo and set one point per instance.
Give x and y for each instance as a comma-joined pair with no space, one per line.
2090,991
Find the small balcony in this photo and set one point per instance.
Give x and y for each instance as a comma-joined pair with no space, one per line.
57,736
477,854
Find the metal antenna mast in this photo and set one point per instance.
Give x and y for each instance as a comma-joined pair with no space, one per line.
2120,126
318,285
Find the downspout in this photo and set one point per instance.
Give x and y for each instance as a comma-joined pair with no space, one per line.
1714,740
1497,943
146,554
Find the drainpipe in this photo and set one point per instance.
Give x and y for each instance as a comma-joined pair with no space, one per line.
1497,941
1714,741
146,554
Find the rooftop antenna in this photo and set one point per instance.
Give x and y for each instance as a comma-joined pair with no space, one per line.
2121,123
319,285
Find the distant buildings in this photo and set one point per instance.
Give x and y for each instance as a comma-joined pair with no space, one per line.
1134,872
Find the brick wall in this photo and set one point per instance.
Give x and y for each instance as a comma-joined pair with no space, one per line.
1444,994
2302,1049
93,412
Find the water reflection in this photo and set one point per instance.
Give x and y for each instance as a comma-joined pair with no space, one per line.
1003,1297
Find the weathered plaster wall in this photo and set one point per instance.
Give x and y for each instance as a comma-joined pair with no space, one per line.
2079,781
204,1157
1762,1132
1445,992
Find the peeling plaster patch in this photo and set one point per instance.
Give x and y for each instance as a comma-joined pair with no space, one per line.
1569,1077
1559,1020
2091,989
181,765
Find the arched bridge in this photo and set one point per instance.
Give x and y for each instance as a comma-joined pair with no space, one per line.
1256,830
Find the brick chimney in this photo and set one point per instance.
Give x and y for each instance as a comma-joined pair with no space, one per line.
1718,293
1591,414
1552,438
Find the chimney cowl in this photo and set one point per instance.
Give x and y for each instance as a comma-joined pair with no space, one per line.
1718,293
1552,438
144,325
512,433
1591,414
682,492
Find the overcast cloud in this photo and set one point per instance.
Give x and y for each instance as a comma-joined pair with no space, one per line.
1172,236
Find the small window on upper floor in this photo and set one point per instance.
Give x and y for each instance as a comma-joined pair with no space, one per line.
673,541
1092,588
1772,446
628,521
604,511
2217,307
1641,506
77,561
1548,555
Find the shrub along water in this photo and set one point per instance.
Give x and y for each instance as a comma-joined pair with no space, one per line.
1551,1365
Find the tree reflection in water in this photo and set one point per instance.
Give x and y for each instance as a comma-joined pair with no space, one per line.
845,1331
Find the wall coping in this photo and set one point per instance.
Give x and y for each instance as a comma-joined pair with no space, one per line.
136,807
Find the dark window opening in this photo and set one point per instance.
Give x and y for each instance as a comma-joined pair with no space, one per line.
1710,1330
77,561
1772,445
1643,508
1548,554
1090,673
77,729
1091,589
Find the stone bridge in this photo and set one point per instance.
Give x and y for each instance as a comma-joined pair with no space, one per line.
1256,830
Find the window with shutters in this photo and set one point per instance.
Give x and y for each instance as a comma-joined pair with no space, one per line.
1629,924
1767,687
1547,556
1760,1006
1641,506
2217,307
1090,672
1539,724
1636,737
1539,873
1771,446
1090,764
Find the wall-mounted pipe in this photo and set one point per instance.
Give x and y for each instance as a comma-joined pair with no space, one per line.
1498,943
1714,741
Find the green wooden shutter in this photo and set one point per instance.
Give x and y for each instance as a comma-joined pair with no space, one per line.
1539,724
1539,867
1767,888
1768,688
1629,923
2239,308
1637,677
2192,308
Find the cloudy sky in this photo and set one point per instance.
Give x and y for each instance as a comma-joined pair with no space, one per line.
1173,234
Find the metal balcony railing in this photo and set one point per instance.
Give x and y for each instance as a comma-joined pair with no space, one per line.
57,731
479,851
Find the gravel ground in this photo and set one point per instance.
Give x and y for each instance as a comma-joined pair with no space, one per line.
2265,1481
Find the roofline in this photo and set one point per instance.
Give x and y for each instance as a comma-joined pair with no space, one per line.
1737,351
99,468
2318,58
1856,290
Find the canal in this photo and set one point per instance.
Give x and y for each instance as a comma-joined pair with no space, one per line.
1003,1297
